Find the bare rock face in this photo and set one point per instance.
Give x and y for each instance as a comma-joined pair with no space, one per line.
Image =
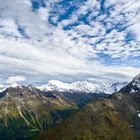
127,101
27,111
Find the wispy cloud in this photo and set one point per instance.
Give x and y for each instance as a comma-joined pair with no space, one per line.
81,40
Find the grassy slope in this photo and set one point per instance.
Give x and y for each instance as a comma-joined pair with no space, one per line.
96,121
24,120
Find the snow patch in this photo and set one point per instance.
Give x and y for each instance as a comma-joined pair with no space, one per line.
132,91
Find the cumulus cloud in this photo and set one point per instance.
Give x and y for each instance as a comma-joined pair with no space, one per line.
96,41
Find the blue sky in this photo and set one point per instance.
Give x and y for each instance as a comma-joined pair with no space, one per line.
69,40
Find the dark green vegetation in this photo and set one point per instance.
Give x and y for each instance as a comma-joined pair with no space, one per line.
26,111
115,118
96,121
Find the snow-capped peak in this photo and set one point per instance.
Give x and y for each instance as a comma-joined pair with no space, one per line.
136,81
81,86
5,86
137,78
78,86
85,86
55,85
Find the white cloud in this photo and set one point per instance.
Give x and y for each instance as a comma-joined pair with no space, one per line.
15,79
49,52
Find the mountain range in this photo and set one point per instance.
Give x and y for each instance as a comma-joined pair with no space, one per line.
79,86
26,111
82,86
70,111
114,118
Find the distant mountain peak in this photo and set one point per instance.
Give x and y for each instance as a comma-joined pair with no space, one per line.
136,81
133,87
77,86
82,86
